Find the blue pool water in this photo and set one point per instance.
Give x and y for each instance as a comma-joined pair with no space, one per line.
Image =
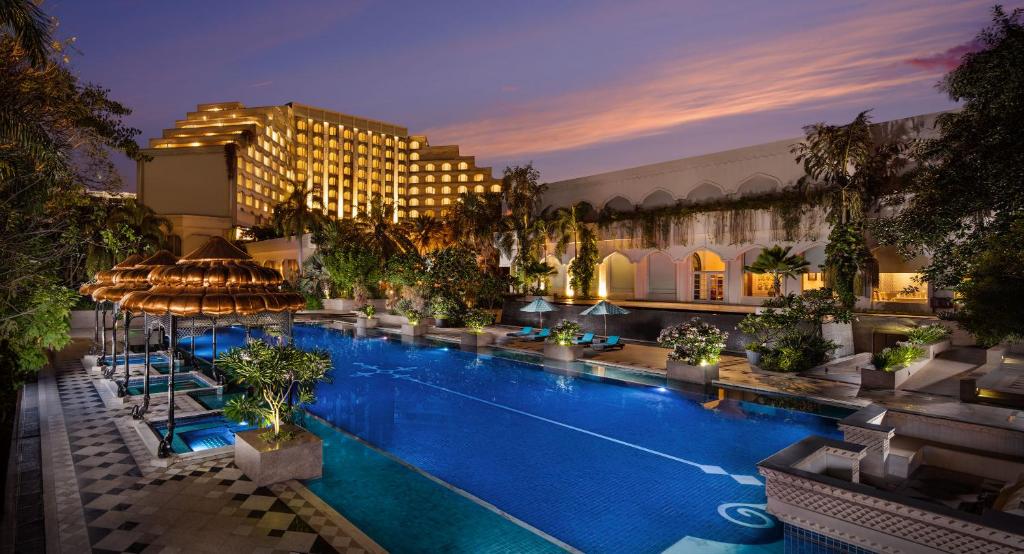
159,384
602,467
194,434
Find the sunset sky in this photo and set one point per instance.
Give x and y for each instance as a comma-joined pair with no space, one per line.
578,87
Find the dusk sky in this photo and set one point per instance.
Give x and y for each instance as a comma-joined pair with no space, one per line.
577,87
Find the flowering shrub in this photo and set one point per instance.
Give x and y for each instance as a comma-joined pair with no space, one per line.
476,319
695,342
564,333
367,310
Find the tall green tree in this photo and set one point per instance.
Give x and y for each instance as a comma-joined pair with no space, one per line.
55,137
477,224
858,164
965,203
780,264
521,195
426,232
584,264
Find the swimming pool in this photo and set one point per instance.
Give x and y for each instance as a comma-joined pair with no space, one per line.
602,467
196,433
159,384
211,400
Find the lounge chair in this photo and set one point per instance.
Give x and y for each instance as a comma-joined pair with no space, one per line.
543,334
586,340
611,343
524,332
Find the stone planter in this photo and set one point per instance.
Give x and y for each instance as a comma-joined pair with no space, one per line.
442,322
841,334
410,330
341,305
562,353
871,378
753,357
266,463
366,322
933,349
391,319
475,340
686,373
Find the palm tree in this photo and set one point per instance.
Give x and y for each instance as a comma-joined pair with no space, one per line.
299,213
476,220
568,223
381,234
534,272
151,229
27,23
780,264
426,232
859,166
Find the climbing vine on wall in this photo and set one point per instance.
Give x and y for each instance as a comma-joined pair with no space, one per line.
795,214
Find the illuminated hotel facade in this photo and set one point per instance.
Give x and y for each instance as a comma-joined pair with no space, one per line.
225,166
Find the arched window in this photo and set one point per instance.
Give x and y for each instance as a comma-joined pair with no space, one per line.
478,188
414,201
414,190
463,188
446,178
415,144
495,188
446,166
463,177
463,165
708,276
414,167
414,156
446,201
430,178
478,177
414,213
446,190
431,190
429,201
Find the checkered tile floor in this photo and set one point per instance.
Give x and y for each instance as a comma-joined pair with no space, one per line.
112,495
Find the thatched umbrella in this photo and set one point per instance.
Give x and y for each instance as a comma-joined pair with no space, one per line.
105,278
214,283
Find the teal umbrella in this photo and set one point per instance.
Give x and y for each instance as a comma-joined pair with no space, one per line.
539,306
606,309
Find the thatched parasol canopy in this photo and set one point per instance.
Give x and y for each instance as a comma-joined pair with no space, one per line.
216,279
133,278
105,278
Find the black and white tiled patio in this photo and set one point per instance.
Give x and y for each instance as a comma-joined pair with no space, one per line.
103,493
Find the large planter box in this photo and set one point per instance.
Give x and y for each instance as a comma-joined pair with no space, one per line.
562,353
342,305
871,378
267,463
366,322
391,319
933,349
686,373
475,340
841,334
410,330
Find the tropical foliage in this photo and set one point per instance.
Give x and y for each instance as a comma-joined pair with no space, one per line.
927,334
476,319
564,332
894,358
276,374
780,264
787,331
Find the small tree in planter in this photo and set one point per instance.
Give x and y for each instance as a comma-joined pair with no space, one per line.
696,347
445,309
475,320
560,345
365,318
415,325
276,374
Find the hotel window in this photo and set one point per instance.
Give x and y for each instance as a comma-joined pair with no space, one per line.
446,190
414,156
429,201
446,201
430,190
414,213
463,178
495,188
446,166
899,280
463,165
430,178
478,188
414,190
446,178
430,167
414,202
414,179
414,167
348,134
708,276
463,189
478,177
414,145
301,125
362,136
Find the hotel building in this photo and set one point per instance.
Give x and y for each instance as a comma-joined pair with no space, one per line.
698,263
225,166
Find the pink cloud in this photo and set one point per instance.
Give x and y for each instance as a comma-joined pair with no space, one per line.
947,60
855,58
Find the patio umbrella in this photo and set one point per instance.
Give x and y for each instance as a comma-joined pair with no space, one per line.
539,306
606,309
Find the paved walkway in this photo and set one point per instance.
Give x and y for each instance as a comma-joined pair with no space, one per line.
103,493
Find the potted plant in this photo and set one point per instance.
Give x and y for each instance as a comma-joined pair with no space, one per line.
475,321
280,450
561,344
364,316
891,367
696,348
414,326
445,310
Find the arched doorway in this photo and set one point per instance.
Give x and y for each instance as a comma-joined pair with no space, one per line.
758,285
661,277
556,280
815,276
708,276
620,276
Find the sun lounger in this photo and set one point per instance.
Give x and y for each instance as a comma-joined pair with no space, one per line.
543,334
524,332
611,343
585,340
